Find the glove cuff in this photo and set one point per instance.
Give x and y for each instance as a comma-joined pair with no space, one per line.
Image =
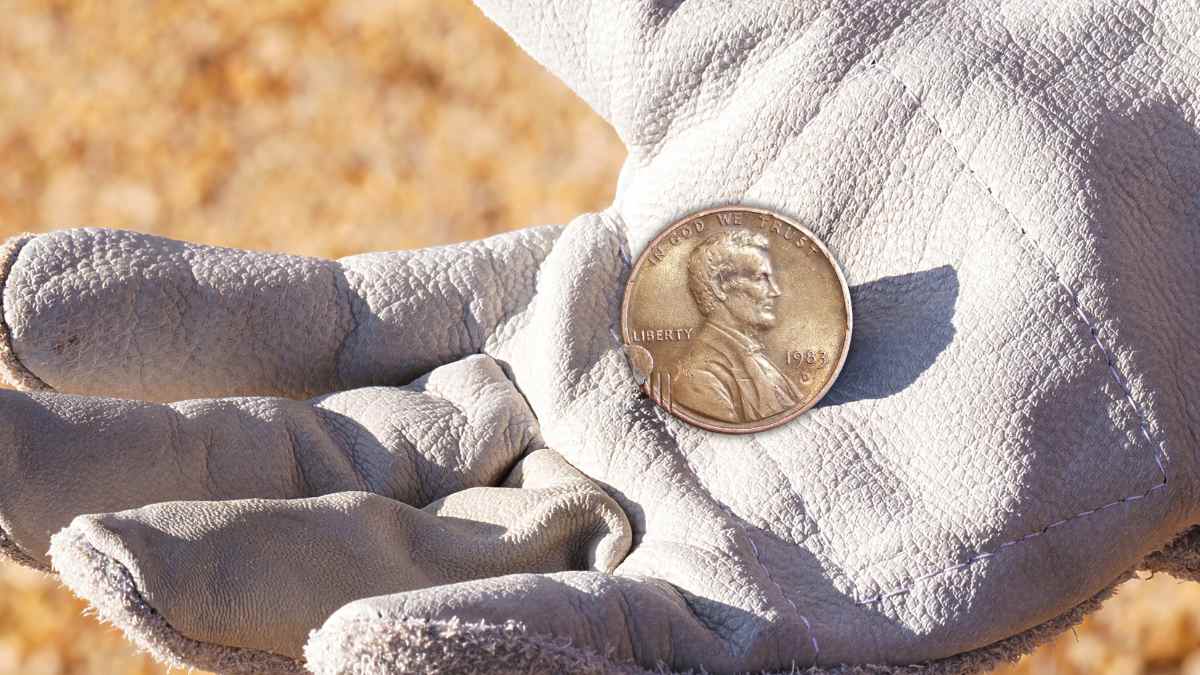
366,646
368,642
11,369
1180,557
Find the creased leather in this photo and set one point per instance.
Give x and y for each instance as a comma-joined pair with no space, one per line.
458,427
240,573
1012,192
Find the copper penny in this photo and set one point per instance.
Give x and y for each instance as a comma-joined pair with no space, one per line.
736,319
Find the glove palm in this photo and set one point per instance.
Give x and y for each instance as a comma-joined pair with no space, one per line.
1012,196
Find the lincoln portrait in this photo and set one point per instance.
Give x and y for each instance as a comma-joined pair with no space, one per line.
726,374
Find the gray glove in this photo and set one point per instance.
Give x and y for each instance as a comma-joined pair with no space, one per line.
1013,194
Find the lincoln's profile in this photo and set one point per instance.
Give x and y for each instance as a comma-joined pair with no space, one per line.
726,374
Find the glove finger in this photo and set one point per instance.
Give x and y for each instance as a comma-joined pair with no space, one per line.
564,622
639,63
117,313
226,585
461,425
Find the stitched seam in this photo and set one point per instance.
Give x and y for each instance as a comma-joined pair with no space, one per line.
789,489
301,472
612,221
1159,451
353,297
346,440
734,522
767,570
608,219
801,32
865,64
1110,359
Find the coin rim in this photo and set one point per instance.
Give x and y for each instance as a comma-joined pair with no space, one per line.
837,268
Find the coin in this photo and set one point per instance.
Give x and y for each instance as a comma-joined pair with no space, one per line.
736,319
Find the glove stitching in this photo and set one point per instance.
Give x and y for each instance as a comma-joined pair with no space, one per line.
735,523
690,101
343,288
458,417
474,303
422,483
1159,450
615,224
838,84
301,474
1110,359
346,439
193,360
803,619
611,220
513,316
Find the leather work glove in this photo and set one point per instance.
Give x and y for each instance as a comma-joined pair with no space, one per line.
1013,191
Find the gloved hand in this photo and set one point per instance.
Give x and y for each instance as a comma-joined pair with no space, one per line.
1013,194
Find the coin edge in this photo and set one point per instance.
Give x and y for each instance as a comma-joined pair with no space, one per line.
845,352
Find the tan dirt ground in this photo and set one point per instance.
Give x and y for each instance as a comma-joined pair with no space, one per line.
327,128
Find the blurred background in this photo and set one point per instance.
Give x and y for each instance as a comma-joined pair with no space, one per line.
332,127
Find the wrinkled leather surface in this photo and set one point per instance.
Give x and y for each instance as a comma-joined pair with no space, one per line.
1013,193
240,573
461,426
251,500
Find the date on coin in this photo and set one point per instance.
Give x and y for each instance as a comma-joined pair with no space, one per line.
736,319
